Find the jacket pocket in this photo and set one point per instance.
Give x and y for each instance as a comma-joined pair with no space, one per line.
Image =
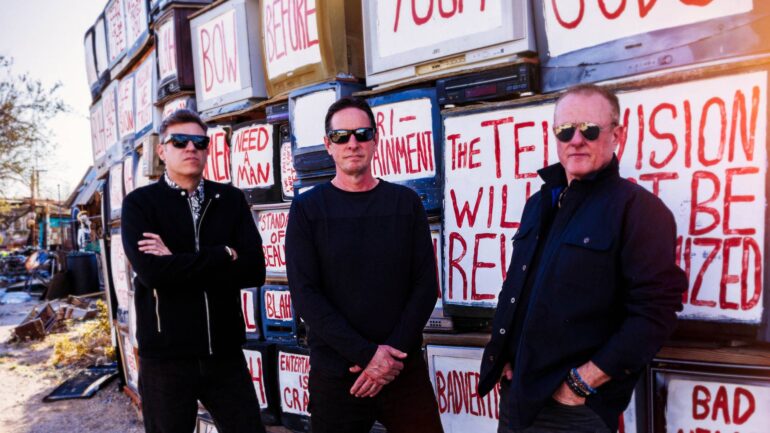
157,309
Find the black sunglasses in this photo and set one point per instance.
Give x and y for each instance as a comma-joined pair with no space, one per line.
201,142
589,131
342,136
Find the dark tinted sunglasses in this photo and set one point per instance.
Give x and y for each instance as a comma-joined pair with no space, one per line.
342,136
201,142
589,131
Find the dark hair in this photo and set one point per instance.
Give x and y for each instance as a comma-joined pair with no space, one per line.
347,102
593,89
182,115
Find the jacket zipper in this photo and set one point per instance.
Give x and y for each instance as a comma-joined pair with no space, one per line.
157,307
197,249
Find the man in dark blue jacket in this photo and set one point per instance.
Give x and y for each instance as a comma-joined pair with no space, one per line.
592,289
193,244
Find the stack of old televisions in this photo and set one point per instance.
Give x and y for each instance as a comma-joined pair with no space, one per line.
123,60
463,96
691,79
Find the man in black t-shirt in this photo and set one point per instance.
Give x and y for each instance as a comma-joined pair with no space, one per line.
362,275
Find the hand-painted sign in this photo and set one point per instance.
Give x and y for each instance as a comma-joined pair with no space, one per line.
126,115
118,264
405,25
116,189
454,373
217,56
252,156
293,375
128,174
289,35
144,92
98,146
167,67
248,306
405,150
110,110
255,362
711,406
271,225
131,363
218,162
698,145
116,29
136,20
576,24
278,305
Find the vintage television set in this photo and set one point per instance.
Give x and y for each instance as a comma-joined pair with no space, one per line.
255,160
406,43
137,25
112,144
250,310
173,50
97,57
305,43
183,100
277,114
438,322
95,85
129,359
218,162
115,183
271,221
227,57
261,360
147,114
410,143
708,397
580,43
98,139
279,323
126,113
293,366
120,275
115,21
307,110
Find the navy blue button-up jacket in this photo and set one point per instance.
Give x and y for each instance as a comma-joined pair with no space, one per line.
606,289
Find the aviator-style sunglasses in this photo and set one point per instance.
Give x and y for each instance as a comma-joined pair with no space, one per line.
589,131
201,142
342,136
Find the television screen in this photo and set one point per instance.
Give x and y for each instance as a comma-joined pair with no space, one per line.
271,222
147,118
227,58
579,44
406,41
310,42
409,143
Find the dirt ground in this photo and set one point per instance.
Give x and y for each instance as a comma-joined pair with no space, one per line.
26,376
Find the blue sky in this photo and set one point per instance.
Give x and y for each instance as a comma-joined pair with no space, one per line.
45,39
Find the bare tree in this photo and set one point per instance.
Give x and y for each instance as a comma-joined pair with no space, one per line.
26,105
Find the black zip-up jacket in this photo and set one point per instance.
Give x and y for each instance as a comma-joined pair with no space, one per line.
606,289
188,303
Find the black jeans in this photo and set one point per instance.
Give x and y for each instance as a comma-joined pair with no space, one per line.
403,406
170,390
554,417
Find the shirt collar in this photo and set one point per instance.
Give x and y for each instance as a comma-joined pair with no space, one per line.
198,190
